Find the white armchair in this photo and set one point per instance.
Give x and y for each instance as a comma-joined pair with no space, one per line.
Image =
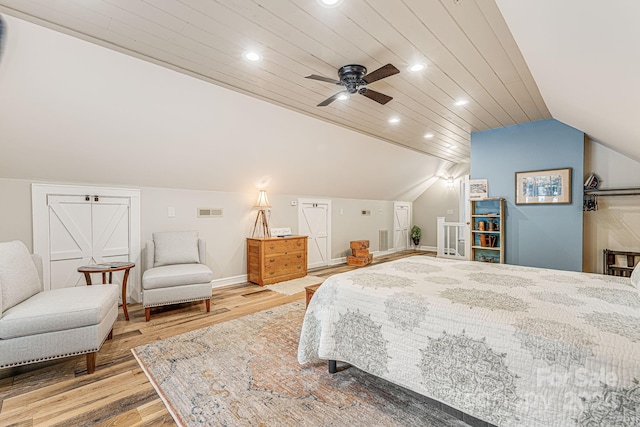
175,271
37,325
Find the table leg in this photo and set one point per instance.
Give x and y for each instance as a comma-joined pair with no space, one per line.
104,277
87,277
110,277
124,294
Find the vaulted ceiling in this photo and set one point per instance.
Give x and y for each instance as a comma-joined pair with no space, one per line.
466,46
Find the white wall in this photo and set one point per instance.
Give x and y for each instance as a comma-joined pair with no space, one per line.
616,223
438,200
349,224
15,211
226,248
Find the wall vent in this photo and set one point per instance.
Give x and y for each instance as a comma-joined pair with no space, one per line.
383,240
365,212
209,212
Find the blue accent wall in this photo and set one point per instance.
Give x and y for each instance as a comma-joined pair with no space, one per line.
548,236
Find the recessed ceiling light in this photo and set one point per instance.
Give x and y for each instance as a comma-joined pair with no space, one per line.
252,56
414,68
461,102
394,120
428,135
344,97
329,3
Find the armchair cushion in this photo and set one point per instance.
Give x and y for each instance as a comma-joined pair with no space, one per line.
59,310
19,278
176,275
179,247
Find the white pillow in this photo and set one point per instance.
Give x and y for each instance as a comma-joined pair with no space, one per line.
635,277
19,278
175,247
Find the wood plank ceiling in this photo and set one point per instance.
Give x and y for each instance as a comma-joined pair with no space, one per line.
465,44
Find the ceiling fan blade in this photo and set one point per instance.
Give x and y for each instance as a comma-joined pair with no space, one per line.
331,99
322,79
381,73
376,96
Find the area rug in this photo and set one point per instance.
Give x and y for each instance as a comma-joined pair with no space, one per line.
245,373
291,287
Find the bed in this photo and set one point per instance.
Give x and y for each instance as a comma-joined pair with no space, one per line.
510,345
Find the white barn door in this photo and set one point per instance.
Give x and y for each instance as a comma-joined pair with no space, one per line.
74,226
314,220
401,221
85,230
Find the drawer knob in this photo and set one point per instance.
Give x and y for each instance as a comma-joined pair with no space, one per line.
299,267
299,255
272,247
272,260
299,243
271,272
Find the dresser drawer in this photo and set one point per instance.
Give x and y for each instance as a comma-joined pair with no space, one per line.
285,264
279,247
282,259
277,269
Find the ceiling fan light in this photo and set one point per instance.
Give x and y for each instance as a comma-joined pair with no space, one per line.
414,68
252,56
428,135
394,120
344,97
461,102
329,3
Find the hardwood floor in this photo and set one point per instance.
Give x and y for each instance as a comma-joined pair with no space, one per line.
60,393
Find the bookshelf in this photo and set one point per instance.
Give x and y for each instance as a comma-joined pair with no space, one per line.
487,230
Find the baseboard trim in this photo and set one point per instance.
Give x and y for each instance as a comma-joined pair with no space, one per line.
343,260
225,281
233,280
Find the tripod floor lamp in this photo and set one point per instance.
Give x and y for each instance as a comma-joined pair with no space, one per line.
262,222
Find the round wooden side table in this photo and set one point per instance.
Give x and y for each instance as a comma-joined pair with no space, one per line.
110,267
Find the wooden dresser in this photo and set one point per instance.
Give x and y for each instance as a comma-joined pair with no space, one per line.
276,259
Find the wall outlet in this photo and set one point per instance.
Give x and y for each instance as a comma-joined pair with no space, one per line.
294,203
341,211
379,211
171,212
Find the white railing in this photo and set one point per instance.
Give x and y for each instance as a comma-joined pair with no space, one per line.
451,239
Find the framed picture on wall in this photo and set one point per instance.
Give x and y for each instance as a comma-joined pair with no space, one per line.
478,189
543,187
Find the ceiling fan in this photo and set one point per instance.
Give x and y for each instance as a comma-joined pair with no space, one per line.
352,77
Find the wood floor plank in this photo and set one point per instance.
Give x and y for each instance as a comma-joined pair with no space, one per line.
60,393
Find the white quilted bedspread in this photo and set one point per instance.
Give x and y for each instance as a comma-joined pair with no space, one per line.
514,346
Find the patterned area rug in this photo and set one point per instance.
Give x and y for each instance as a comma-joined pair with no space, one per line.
245,373
291,287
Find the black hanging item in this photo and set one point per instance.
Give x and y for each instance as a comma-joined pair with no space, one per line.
590,201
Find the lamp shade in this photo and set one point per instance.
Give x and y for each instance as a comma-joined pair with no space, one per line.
263,201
